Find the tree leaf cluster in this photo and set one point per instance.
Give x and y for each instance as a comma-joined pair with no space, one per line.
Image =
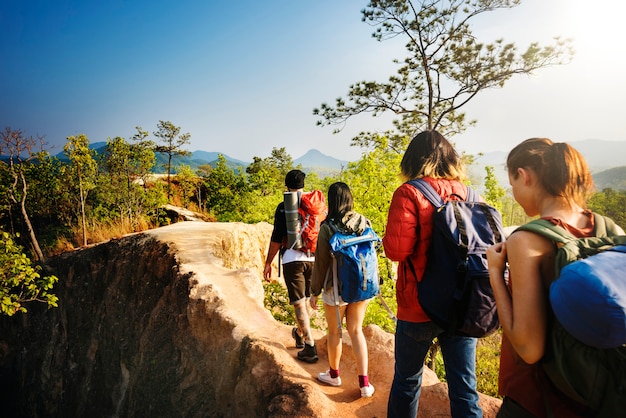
21,281
445,67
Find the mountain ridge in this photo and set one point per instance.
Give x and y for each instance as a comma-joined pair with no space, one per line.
601,156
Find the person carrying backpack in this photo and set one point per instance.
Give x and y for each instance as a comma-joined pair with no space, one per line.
297,269
341,218
407,240
552,181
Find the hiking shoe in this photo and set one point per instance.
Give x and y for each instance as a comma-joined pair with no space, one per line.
325,377
308,354
367,391
297,337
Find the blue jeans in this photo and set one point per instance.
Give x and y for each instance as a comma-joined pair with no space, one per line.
459,356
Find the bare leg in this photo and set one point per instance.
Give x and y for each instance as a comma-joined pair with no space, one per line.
333,342
354,322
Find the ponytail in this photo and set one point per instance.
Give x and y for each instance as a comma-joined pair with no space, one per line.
561,169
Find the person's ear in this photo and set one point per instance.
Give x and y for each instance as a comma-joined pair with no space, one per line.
527,176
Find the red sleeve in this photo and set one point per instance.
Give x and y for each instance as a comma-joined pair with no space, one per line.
402,224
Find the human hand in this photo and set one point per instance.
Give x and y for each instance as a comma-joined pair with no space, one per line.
313,302
267,272
496,258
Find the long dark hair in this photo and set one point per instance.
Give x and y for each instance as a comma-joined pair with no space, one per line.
340,201
431,155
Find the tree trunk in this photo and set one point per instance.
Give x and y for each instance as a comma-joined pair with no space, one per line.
29,226
82,214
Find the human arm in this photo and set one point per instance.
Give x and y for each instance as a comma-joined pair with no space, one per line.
276,240
271,253
522,310
401,231
323,260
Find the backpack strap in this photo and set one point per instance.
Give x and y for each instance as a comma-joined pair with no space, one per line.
427,190
547,229
472,196
333,268
433,197
603,227
304,225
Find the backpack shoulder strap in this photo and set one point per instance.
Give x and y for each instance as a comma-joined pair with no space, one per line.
472,195
428,192
433,197
547,229
605,226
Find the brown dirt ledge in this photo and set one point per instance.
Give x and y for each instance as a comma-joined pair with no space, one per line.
170,322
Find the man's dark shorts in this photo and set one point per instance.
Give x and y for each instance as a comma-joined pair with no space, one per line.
298,279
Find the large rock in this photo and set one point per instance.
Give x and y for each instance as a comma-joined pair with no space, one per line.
171,323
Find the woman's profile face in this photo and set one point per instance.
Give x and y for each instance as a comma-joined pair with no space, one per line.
522,191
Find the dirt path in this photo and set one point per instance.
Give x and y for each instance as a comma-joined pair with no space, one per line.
347,397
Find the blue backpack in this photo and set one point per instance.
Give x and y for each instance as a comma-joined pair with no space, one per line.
585,356
355,265
455,291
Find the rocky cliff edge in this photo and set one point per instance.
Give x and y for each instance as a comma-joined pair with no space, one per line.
171,323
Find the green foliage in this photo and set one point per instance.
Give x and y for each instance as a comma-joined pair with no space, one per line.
257,208
494,193
172,142
445,67
277,302
373,179
488,364
188,184
121,195
376,312
20,280
43,177
512,212
20,150
81,173
226,192
610,203
267,175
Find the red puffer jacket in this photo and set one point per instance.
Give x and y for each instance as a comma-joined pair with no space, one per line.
408,236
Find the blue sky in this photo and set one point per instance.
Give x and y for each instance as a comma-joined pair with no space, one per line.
243,77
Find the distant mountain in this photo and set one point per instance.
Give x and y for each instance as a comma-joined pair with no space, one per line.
606,160
211,157
602,155
321,164
614,178
195,160
314,158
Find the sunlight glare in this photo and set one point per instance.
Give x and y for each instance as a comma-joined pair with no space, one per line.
597,27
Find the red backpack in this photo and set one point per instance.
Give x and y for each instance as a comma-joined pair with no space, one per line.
311,213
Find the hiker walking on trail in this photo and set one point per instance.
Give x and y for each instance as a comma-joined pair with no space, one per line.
297,269
432,158
341,217
552,181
